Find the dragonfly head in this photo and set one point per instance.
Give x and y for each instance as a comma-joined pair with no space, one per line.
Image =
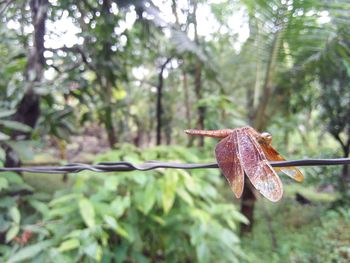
266,137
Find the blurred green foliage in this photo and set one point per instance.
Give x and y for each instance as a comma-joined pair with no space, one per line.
304,233
285,70
163,215
10,218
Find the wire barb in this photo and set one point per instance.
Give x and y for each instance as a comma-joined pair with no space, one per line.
150,165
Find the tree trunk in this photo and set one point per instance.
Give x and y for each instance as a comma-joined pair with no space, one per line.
198,78
159,109
168,132
187,107
345,173
344,182
28,110
138,139
108,78
258,119
260,116
344,179
247,207
108,120
201,109
187,100
159,106
269,221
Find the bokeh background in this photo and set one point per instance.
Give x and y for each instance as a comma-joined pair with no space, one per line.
90,81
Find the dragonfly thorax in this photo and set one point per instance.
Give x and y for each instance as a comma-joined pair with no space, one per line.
266,137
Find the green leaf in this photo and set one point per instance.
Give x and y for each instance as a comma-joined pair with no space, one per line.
202,251
15,214
150,197
2,153
110,221
3,183
42,231
40,206
115,226
55,256
30,251
74,234
7,201
185,196
64,210
140,258
87,212
94,251
15,125
239,217
12,177
69,245
111,183
12,232
168,190
22,148
63,199
119,205
6,113
121,253
190,183
158,219
4,137
122,232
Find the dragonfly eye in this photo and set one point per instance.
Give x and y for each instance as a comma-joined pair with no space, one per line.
266,137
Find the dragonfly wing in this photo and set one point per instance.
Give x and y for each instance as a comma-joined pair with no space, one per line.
226,153
257,167
272,155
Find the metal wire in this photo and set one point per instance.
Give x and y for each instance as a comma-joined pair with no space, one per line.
150,165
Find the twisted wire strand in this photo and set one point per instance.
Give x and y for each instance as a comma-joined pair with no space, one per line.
150,165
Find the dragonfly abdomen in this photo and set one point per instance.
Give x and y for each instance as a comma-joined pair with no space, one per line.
210,133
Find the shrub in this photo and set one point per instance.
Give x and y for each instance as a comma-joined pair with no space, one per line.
163,215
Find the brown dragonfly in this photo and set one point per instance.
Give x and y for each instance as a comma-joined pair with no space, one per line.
246,150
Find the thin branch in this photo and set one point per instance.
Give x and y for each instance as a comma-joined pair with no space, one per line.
67,70
126,166
337,137
5,4
75,49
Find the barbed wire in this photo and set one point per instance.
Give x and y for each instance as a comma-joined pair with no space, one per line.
150,165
